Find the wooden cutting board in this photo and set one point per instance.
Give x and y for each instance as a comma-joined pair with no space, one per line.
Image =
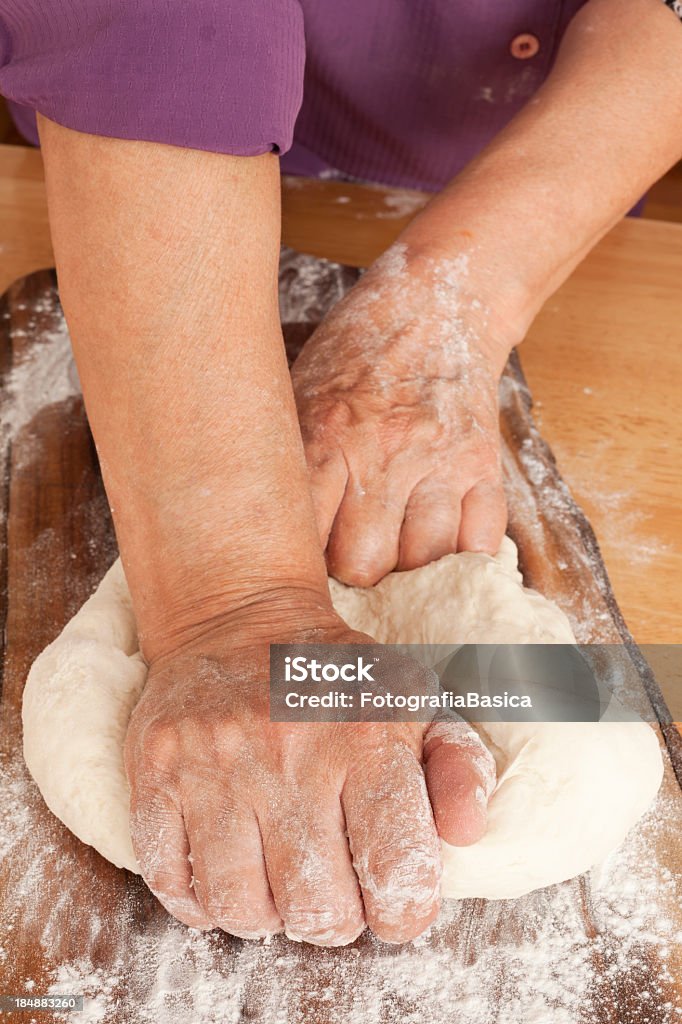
603,948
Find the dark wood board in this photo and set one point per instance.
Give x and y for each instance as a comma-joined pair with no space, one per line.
594,949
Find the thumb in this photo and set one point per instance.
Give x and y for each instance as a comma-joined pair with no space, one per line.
460,776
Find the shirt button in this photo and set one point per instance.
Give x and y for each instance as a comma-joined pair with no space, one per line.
524,46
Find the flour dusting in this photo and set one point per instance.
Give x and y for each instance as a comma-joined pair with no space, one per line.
309,287
549,962
589,951
44,374
402,203
571,954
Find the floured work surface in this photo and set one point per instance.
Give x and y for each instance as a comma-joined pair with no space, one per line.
603,948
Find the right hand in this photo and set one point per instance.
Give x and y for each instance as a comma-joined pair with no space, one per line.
397,396
255,826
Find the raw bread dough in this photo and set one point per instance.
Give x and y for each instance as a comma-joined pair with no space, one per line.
566,795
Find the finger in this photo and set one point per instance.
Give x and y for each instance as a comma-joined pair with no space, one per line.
230,879
311,874
460,775
157,829
395,847
484,518
327,485
363,543
431,525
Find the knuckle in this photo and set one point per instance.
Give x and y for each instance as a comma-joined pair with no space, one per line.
245,918
481,464
401,863
492,462
401,877
397,931
315,904
230,808
165,884
235,901
369,744
355,575
324,923
154,845
226,736
407,430
151,807
184,908
350,562
490,456
158,744
333,419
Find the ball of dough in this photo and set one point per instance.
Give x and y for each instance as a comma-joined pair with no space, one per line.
566,794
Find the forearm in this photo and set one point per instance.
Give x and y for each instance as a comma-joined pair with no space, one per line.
606,124
167,263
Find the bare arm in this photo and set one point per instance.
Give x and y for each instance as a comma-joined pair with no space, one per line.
167,263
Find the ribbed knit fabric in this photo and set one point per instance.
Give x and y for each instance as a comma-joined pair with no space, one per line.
403,92
220,75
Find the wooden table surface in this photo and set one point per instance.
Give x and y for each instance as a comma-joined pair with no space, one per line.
603,360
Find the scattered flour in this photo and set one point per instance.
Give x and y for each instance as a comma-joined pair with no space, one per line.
551,961
402,204
569,954
44,375
309,286
630,522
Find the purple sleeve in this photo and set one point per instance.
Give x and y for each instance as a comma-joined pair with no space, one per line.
219,75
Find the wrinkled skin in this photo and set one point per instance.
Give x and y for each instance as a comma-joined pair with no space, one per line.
254,826
397,399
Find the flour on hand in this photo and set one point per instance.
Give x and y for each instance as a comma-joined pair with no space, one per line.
566,793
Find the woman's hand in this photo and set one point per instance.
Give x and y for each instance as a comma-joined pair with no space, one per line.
397,400
253,826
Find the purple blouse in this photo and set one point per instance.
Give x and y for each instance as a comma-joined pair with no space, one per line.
402,92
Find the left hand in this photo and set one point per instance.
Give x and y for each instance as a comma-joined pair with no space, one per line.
397,399
252,826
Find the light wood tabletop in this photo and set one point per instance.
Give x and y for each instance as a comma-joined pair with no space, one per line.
603,359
